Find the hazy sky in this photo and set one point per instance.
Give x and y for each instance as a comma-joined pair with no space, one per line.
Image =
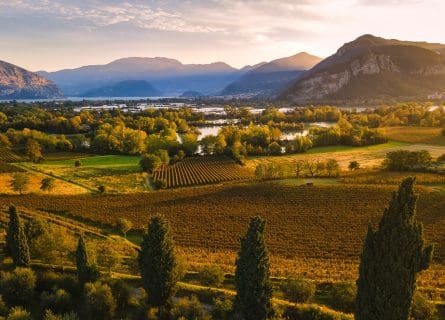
56,34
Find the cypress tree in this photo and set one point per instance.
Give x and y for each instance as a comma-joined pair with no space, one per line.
16,242
85,271
157,264
391,258
252,276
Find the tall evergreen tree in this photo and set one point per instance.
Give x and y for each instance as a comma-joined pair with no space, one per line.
85,271
157,264
16,242
252,276
391,258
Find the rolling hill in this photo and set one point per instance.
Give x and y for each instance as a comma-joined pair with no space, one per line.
372,67
128,88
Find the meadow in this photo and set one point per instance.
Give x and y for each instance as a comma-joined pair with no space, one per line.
422,135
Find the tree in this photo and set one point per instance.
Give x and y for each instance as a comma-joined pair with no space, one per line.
123,225
158,264
16,241
20,182
332,167
391,258
253,299
108,257
33,150
299,167
85,271
150,162
353,165
47,184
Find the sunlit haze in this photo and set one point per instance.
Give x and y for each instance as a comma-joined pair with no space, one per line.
55,34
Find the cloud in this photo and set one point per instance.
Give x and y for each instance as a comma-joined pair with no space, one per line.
99,14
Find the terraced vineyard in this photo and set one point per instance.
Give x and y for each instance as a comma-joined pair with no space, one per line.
202,170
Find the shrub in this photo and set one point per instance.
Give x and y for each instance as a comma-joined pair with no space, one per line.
404,160
274,148
17,287
159,184
422,309
77,163
212,276
101,188
441,158
150,162
99,300
49,315
222,309
187,308
18,313
343,296
57,300
298,290
310,313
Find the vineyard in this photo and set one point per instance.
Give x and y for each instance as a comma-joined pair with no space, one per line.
6,159
201,170
305,225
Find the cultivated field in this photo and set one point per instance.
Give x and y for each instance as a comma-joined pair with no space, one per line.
305,224
422,135
368,157
200,170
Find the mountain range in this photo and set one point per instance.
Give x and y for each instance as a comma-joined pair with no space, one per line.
18,83
267,79
367,67
169,76
373,67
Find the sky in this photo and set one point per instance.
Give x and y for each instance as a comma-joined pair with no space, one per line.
56,34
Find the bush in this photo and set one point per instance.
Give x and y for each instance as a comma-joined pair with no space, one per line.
99,300
159,184
150,162
404,160
101,189
187,308
422,309
343,296
17,287
274,148
49,315
77,163
298,290
441,158
310,313
18,313
212,276
222,309
57,300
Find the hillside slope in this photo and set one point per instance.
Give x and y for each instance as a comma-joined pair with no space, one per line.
18,83
371,67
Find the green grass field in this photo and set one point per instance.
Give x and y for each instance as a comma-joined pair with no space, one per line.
117,173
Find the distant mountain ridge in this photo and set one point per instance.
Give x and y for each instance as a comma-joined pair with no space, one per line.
267,79
371,67
128,88
168,75
18,83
